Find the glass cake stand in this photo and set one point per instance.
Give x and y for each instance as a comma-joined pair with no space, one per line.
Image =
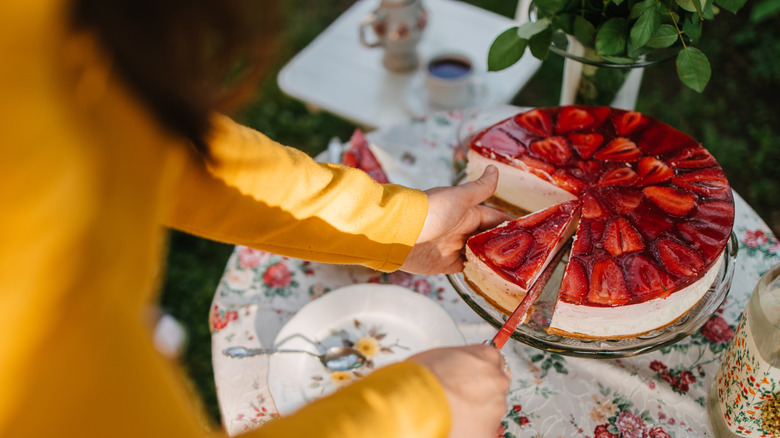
534,332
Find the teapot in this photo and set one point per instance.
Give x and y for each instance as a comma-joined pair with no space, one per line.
397,26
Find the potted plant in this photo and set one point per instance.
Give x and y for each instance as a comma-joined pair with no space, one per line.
615,33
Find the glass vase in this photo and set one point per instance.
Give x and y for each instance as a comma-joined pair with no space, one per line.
744,399
590,79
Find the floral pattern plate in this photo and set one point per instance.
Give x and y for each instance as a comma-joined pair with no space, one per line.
388,323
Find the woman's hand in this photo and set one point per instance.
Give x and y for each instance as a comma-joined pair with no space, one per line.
454,214
474,380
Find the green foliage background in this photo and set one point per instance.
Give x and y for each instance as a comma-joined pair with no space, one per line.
737,117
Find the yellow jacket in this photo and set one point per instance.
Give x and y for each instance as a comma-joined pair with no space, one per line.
87,181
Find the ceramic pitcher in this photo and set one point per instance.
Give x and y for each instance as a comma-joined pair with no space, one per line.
397,27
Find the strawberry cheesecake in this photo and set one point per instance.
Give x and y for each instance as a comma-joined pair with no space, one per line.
650,209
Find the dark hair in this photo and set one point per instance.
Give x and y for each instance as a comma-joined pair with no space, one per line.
185,58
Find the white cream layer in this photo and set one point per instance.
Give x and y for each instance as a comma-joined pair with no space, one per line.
518,186
634,319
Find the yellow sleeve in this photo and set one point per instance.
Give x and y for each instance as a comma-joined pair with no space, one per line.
402,400
264,195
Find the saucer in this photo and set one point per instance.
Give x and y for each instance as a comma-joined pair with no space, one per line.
416,96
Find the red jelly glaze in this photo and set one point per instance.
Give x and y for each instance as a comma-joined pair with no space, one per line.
494,247
636,152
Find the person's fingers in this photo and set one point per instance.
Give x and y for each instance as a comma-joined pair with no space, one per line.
490,217
477,191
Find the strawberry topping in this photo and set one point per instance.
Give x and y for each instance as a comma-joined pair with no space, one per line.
708,182
622,176
359,155
502,142
509,249
679,259
693,157
607,284
671,200
574,287
653,171
621,237
536,121
630,122
573,118
586,144
620,149
554,150
648,280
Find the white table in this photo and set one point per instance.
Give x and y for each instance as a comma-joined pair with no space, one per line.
337,74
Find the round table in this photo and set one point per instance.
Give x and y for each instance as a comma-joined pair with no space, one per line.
654,394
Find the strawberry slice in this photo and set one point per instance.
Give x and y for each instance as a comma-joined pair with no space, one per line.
591,209
586,144
607,283
554,150
711,228
671,200
536,121
652,171
509,249
503,142
647,280
622,200
572,118
620,237
679,259
620,149
629,122
574,286
707,182
568,182
583,239
359,156
693,157
622,176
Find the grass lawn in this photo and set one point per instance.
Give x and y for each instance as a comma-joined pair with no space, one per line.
737,117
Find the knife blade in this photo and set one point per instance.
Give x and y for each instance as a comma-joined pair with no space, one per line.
518,316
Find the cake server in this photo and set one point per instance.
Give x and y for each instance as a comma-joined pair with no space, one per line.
518,316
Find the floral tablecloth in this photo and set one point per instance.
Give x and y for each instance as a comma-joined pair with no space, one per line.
658,394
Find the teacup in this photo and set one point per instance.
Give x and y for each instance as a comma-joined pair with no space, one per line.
449,80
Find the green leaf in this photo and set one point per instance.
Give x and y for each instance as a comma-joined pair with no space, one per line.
506,50
527,30
611,37
584,31
640,8
664,36
692,28
550,7
564,22
688,5
763,10
732,5
540,44
693,68
645,27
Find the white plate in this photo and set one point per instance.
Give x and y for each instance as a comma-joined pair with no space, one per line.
397,322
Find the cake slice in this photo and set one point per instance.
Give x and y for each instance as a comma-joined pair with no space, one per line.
359,156
503,263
